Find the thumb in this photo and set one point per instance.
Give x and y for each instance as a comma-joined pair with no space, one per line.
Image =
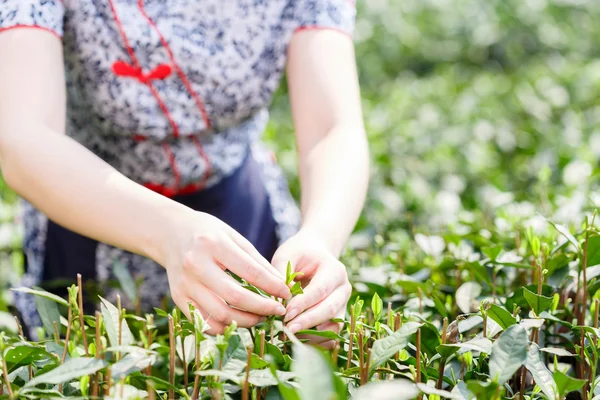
282,257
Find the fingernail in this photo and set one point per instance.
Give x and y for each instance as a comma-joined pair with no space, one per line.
294,327
291,314
280,310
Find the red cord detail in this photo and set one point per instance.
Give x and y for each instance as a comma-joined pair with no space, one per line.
180,73
121,68
21,26
206,161
173,163
126,68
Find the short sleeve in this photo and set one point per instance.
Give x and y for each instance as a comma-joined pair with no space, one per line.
326,14
42,14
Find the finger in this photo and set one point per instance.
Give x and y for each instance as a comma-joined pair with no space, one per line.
322,312
320,286
331,326
240,263
246,246
235,295
329,345
214,327
222,313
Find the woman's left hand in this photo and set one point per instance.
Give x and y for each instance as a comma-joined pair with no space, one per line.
325,284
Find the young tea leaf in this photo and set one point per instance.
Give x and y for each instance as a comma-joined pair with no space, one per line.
501,316
565,384
110,315
538,303
376,306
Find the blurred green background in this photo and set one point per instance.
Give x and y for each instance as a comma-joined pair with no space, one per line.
473,108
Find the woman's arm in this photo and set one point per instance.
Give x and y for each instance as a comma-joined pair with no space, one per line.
81,192
332,145
334,171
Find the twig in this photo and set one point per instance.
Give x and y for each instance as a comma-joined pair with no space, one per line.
171,358
245,388
81,321
120,333
443,360
96,385
418,360
66,346
5,373
351,338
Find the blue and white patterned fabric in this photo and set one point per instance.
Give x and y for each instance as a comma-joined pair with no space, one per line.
172,93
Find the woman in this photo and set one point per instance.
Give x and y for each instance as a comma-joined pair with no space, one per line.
132,130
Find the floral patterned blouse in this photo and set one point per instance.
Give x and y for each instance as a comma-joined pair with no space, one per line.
172,93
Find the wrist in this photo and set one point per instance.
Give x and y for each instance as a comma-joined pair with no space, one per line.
323,239
164,240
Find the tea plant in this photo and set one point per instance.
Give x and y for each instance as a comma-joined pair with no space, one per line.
478,315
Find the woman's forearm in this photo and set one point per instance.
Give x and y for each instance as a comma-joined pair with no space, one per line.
334,174
81,192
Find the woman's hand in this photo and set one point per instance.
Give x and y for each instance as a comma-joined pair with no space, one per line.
202,250
325,282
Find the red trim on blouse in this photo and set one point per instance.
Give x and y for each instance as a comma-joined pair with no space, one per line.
321,28
22,26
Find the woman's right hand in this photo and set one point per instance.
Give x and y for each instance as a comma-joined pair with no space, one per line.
200,252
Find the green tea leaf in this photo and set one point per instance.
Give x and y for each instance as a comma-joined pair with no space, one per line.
509,352
430,390
126,281
398,389
483,389
385,348
593,253
541,375
44,294
314,373
376,306
132,362
74,368
324,334
538,303
110,315
565,232
501,316
25,354
296,289
466,295
49,314
565,384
